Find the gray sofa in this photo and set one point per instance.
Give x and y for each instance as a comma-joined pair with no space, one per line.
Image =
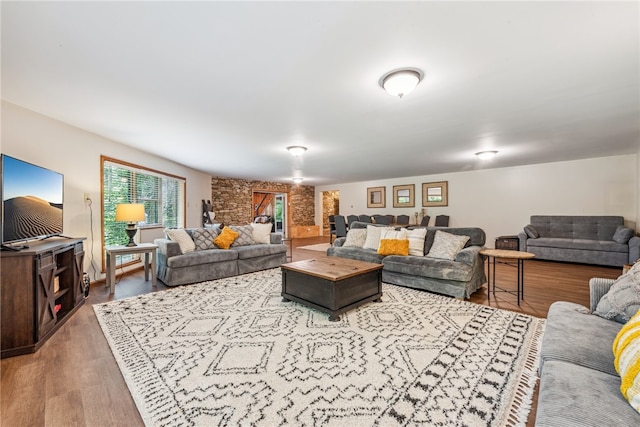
175,268
578,382
458,278
599,240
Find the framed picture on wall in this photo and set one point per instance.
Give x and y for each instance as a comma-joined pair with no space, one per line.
435,194
403,196
376,197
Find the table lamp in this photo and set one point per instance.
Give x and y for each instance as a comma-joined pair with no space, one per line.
131,213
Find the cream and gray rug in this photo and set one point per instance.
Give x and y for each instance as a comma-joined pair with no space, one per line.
230,353
320,247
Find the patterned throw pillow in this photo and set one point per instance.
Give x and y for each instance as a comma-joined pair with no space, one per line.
623,299
245,235
203,237
626,350
226,238
356,237
416,241
262,232
180,236
447,245
373,237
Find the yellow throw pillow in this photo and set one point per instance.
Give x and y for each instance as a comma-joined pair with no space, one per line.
626,349
226,238
394,247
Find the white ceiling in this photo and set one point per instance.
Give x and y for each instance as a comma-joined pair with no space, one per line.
224,87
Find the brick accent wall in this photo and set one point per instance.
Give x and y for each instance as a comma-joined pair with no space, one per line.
330,206
231,200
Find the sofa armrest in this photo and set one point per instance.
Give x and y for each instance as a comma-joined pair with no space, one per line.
167,248
522,237
598,287
634,249
275,238
469,255
339,242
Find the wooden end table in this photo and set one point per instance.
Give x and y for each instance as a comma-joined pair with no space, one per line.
148,249
333,285
519,256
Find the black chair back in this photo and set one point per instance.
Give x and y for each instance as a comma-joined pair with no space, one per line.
381,219
390,218
341,226
351,219
402,219
442,221
425,220
365,218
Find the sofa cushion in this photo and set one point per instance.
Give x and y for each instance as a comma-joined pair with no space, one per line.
476,235
626,350
579,244
428,267
207,256
575,396
373,237
623,234
447,245
575,336
203,237
261,232
531,231
226,238
356,237
416,241
180,236
245,235
577,226
258,250
623,298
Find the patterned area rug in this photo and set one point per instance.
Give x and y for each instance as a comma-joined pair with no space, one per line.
229,352
320,247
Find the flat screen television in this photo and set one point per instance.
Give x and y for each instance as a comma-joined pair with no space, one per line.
32,198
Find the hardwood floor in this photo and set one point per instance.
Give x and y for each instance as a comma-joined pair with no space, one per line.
73,380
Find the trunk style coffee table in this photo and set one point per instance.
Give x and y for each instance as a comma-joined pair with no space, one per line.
333,285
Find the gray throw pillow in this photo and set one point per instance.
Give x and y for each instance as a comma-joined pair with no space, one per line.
623,299
245,235
203,238
531,231
622,234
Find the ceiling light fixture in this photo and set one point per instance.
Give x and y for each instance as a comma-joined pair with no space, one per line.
401,81
486,155
297,150
298,179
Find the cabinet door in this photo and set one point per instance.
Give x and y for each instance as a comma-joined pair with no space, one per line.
46,301
78,273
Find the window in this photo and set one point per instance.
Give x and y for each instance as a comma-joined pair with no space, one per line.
162,195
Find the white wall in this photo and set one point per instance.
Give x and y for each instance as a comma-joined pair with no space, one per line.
500,201
76,153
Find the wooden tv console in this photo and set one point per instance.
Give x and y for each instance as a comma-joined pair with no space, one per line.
41,288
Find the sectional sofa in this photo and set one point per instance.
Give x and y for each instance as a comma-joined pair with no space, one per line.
457,278
599,240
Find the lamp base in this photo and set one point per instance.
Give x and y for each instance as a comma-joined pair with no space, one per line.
131,231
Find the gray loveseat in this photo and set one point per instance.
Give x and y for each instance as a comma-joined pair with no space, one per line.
599,240
458,278
175,268
578,382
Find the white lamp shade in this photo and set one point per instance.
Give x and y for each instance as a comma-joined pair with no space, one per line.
130,212
401,82
486,155
297,150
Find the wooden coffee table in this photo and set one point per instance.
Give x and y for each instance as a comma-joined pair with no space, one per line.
333,285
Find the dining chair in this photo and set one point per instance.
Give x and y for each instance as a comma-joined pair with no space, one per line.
351,219
381,219
341,226
402,219
425,221
442,221
332,227
365,218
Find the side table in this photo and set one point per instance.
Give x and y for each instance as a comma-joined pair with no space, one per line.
519,256
148,249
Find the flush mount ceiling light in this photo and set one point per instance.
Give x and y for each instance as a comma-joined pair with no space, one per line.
401,81
486,155
298,180
296,150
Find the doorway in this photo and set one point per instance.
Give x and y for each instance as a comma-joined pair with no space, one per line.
330,206
271,207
